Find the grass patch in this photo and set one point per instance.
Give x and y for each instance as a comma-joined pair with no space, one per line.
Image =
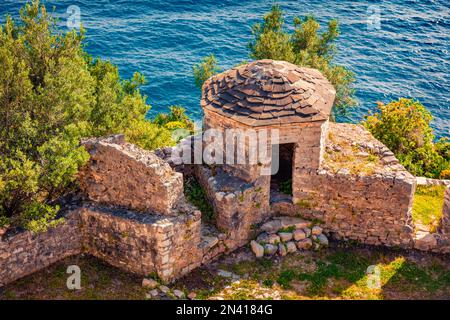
335,273
99,281
286,187
196,195
288,229
343,274
428,206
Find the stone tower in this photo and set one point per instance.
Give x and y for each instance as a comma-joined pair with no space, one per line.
268,95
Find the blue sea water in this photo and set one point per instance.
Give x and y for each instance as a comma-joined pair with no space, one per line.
405,55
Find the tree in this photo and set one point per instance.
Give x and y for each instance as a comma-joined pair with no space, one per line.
51,95
271,41
305,48
205,69
404,127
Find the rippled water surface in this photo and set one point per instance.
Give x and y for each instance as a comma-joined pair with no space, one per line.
408,56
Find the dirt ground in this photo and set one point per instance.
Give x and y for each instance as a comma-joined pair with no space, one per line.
338,272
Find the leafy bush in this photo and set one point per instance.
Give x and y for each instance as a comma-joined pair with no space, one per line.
197,196
445,174
52,94
176,119
286,187
404,127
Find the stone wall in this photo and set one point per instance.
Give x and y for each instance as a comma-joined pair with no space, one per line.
23,253
131,241
445,222
308,139
423,181
238,205
123,175
440,241
361,191
371,210
143,244
444,226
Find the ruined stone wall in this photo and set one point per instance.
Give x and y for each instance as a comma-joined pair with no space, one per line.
361,191
24,253
238,205
440,241
423,181
138,219
369,209
121,174
143,244
445,222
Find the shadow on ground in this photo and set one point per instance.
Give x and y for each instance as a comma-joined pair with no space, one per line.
339,272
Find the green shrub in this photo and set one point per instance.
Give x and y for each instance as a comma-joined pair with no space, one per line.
286,187
404,127
197,196
51,95
176,119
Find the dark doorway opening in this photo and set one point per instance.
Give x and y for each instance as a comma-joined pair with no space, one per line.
281,180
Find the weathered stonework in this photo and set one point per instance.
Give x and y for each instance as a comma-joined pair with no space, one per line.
238,205
361,195
142,244
441,242
360,208
423,181
307,137
123,175
23,253
445,223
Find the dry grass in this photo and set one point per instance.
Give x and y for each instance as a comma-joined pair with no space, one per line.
341,155
339,272
428,206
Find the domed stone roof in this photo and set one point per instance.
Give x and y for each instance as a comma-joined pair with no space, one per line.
267,92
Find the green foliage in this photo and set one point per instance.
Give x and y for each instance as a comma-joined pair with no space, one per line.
38,217
4,221
428,205
51,95
196,195
176,119
205,69
445,174
286,187
305,48
404,127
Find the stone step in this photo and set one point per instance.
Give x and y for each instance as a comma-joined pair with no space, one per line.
424,240
278,223
207,242
209,237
